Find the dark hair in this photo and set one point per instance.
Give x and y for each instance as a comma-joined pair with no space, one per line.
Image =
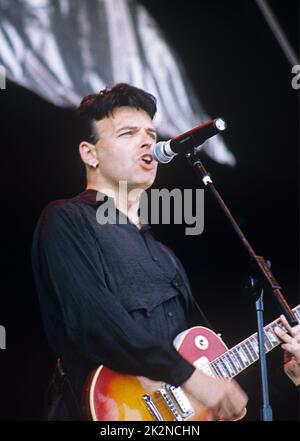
97,106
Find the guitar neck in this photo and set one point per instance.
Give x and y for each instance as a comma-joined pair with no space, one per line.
244,354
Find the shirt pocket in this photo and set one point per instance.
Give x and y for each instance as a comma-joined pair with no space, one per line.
146,297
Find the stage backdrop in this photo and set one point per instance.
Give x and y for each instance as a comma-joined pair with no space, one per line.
64,50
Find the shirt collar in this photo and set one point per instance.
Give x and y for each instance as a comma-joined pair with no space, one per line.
94,197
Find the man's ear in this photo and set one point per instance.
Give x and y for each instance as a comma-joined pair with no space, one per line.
88,154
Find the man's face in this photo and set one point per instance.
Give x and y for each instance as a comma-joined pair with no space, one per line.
125,138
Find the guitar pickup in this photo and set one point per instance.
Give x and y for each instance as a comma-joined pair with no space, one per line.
181,400
161,392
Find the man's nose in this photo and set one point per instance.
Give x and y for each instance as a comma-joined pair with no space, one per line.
147,140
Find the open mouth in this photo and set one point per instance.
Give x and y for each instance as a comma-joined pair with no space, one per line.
147,158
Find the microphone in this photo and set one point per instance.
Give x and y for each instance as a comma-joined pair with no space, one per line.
164,151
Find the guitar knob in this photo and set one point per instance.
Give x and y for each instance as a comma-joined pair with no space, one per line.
201,342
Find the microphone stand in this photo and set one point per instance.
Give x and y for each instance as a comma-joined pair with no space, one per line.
266,409
262,271
253,288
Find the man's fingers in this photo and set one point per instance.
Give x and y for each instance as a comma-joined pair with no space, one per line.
287,347
215,413
285,322
282,335
234,404
230,412
293,330
294,338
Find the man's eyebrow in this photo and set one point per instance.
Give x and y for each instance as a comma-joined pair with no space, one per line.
152,130
126,128
149,129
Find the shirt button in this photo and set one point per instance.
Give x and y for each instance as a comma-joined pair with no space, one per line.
155,258
175,283
148,314
170,314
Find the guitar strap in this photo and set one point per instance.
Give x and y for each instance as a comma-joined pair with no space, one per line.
203,316
63,395
196,305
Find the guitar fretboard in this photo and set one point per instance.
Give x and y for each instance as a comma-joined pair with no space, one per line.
241,356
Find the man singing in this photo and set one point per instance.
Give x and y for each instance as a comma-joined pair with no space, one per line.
110,293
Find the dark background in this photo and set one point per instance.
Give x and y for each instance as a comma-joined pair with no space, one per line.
239,72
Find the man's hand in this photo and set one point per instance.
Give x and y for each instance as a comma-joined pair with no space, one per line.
225,399
291,346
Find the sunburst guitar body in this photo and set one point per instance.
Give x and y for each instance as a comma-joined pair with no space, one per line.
112,396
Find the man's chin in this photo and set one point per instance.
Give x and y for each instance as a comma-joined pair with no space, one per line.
140,186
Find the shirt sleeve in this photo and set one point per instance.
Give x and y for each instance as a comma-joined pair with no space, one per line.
71,282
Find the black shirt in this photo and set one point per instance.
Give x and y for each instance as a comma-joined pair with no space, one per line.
109,294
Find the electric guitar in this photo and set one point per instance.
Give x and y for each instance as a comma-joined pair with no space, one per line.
111,396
